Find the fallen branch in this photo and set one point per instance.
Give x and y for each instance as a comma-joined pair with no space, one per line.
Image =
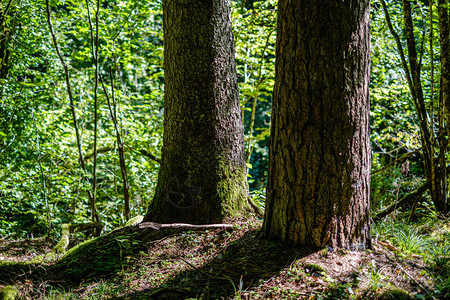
395,161
387,245
415,280
405,200
158,226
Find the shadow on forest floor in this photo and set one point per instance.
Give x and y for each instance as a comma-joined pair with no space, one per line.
241,265
133,263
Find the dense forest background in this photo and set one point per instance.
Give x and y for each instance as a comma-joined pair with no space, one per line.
42,183
92,77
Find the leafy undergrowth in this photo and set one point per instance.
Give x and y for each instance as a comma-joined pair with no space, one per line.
237,264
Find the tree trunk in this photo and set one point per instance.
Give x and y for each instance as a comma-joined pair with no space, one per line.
444,27
6,33
434,166
202,176
319,155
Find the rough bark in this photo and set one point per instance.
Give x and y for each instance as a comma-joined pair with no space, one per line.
444,28
202,176
319,155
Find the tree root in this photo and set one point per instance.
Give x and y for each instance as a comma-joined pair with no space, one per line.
67,229
258,211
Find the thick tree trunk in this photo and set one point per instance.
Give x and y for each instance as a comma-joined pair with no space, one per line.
319,157
202,176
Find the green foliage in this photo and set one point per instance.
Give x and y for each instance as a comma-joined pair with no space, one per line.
9,292
255,32
395,294
443,287
394,124
405,237
42,186
409,240
37,128
375,277
439,257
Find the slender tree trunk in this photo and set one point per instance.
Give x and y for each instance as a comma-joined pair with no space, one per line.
434,146
6,32
434,166
319,157
72,108
202,176
95,44
444,27
122,162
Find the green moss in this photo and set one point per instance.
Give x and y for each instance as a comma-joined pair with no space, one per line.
315,268
395,293
232,190
9,271
100,256
63,243
44,258
9,292
133,221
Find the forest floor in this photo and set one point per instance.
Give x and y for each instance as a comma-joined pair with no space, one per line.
236,264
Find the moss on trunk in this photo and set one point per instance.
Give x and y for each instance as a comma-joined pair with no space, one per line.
202,177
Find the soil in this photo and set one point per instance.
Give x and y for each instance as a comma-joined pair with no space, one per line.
237,264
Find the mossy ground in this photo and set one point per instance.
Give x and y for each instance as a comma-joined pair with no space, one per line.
132,263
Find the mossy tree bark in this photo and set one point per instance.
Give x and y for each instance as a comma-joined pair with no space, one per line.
202,176
319,155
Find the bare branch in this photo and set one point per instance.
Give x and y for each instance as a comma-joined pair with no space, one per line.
158,226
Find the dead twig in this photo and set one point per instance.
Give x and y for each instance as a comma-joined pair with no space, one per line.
395,161
417,282
158,226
